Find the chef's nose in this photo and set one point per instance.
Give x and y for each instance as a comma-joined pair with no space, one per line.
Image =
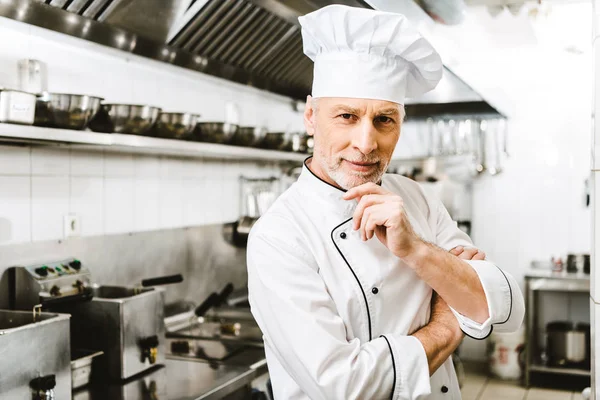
366,138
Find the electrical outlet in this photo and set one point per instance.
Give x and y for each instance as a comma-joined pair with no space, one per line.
72,225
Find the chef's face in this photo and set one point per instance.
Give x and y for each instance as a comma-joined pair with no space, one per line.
354,138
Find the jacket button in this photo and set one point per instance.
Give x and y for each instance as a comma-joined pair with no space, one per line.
375,290
444,389
343,235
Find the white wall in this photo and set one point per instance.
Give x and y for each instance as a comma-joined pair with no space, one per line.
118,193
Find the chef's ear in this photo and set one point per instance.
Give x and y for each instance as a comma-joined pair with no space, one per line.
309,115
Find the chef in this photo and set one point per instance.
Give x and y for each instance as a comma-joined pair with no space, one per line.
361,283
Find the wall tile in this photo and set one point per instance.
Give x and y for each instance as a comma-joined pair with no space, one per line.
194,198
170,168
87,196
15,160
49,161
146,166
49,205
170,214
118,205
87,163
146,204
118,165
15,209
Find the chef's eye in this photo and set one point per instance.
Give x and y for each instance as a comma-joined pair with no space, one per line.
384,120
346,116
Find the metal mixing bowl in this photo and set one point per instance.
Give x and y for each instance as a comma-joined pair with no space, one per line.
64,110
124,118
175,125
214,132
248,135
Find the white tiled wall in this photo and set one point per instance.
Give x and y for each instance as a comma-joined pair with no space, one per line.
114,193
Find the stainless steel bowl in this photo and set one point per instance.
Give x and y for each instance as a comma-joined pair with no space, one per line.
66,111
274,141
215,132
124,118
248,135
175,125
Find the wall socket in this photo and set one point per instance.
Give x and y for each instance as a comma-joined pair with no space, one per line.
72,225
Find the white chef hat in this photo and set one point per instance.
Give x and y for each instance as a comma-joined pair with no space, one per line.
368,54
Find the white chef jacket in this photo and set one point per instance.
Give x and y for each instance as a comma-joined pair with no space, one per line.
336,312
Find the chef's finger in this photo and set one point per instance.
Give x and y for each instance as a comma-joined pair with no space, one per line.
365,201
377,217
364,189
457,250
468,254
479,256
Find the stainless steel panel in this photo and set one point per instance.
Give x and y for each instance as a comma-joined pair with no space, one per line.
31,350
287,47
248,27
264,44
225,22
96,9
77,6
241,48
230,29
197,22
209,21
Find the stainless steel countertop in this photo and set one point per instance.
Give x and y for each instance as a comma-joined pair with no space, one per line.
545,273
181,380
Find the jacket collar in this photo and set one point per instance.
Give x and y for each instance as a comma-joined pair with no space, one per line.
327,194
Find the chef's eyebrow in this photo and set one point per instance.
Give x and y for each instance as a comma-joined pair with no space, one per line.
345,109
388,111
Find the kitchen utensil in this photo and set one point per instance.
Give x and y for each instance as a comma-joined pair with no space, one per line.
36,355
81,366
33,76
586,263
124,118
565,345
214,132
273,140
175,125
576,263
65,111
17,107
248,135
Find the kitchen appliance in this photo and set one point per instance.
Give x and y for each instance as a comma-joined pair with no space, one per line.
124,118
126,323
16,107
33,76
578,263
175,125
81,366
214,132
566,344
65,111
35,353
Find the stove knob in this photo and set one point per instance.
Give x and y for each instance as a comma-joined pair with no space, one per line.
42,271
75,264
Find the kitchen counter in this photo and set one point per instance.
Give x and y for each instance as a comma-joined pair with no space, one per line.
182,379
546,273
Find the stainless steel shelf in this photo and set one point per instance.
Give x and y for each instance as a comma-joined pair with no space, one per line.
559,370
86,140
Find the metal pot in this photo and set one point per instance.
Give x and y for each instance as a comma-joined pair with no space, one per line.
565,345
124,118
65,111
175,125
17,107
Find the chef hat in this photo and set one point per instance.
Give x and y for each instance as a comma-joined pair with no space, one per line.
368,54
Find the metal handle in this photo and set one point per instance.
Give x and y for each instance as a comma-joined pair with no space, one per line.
224,294
162,280
207,304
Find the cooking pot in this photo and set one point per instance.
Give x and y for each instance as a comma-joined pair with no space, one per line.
566,345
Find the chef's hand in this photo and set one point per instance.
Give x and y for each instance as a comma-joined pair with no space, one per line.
469,253
381,212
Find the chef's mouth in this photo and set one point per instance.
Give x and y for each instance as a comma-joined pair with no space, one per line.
361,165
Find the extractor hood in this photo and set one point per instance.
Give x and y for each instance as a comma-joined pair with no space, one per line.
254,42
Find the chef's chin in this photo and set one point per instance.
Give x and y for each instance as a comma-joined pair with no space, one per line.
349,179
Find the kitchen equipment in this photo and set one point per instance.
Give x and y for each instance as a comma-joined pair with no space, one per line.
214,132
299,142
124,118
65,111
577,262
32,76
16,107
81,366
273,140
35,355
248,135
565,345
124,322
175,125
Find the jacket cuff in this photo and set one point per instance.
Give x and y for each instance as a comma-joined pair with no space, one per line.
411,369
498,293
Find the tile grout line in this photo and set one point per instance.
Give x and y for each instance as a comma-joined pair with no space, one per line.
480,394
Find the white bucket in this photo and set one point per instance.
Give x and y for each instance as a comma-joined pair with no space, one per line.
505,351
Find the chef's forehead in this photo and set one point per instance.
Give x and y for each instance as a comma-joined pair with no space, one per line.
357,104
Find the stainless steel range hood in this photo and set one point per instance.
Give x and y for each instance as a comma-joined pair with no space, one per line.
255,42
